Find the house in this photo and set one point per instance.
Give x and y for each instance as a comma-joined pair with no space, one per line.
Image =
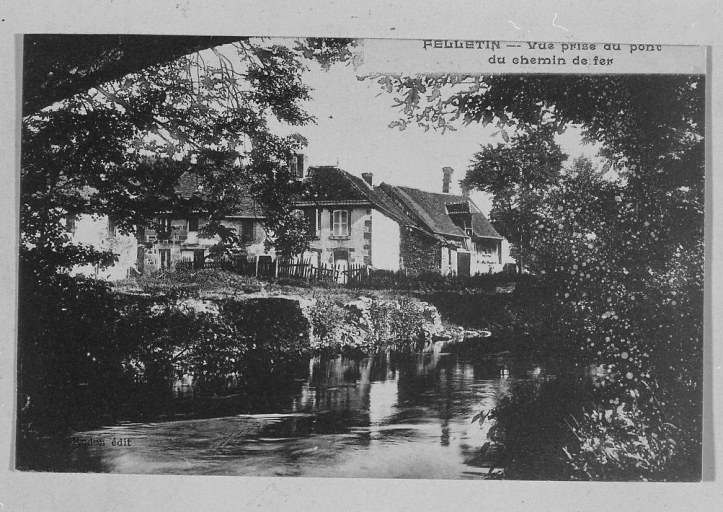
99,232
396,228
180,238
464,242
352,223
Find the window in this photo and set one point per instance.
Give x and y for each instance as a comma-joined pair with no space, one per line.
311,219
111,226
340,223
297,165
484,249
247,230
164,228
70,224
468,226
165,258
193,224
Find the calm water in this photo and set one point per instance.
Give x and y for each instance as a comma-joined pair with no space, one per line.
402,417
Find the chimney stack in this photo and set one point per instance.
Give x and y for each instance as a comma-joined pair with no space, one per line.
465,189
446,179
368,177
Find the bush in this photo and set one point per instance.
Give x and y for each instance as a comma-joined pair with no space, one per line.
394,323
374,325
429,281
325,317
69,368
529,424
561,428
620,443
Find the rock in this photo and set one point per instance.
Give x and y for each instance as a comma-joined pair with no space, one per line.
472,333
508,288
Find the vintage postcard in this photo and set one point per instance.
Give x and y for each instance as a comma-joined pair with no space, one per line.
318,257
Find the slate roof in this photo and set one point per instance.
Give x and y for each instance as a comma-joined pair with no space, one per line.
189,184
482,227
429,211
329,184
434,209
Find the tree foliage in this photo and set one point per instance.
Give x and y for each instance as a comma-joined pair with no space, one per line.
620,260
516,173
119,147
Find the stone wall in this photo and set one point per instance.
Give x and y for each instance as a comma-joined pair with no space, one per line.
420,252
357,243
180,250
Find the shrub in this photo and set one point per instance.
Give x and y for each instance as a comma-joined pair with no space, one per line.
529,424
325,317
621,443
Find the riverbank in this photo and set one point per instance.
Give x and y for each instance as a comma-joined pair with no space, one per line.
94,354
209,345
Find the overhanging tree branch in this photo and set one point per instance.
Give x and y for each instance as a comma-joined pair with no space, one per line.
58,66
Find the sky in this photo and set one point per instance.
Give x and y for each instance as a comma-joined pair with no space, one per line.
351,129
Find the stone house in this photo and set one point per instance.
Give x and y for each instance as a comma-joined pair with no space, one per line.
352,222
178,240
461,240
181,239
396,228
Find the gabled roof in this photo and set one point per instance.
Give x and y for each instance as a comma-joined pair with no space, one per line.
329,184
190,184
436,211
482,228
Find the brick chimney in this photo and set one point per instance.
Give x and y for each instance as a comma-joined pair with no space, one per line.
368,177
465,189
446,179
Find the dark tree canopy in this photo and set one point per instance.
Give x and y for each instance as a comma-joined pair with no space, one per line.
118,147
621,259
58,66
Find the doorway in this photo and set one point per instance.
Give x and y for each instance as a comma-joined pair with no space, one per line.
463,264
341,264
199,256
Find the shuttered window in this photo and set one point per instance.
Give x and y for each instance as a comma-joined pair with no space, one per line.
112,227
340,223
310,221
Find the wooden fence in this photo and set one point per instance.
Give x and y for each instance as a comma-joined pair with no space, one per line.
282,267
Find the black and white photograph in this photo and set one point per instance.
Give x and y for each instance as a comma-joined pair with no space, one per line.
277,257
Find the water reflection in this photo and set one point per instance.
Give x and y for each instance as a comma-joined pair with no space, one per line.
405,416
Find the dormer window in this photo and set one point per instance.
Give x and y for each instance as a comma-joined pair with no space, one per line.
466,225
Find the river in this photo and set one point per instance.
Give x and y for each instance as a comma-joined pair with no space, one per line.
387,416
